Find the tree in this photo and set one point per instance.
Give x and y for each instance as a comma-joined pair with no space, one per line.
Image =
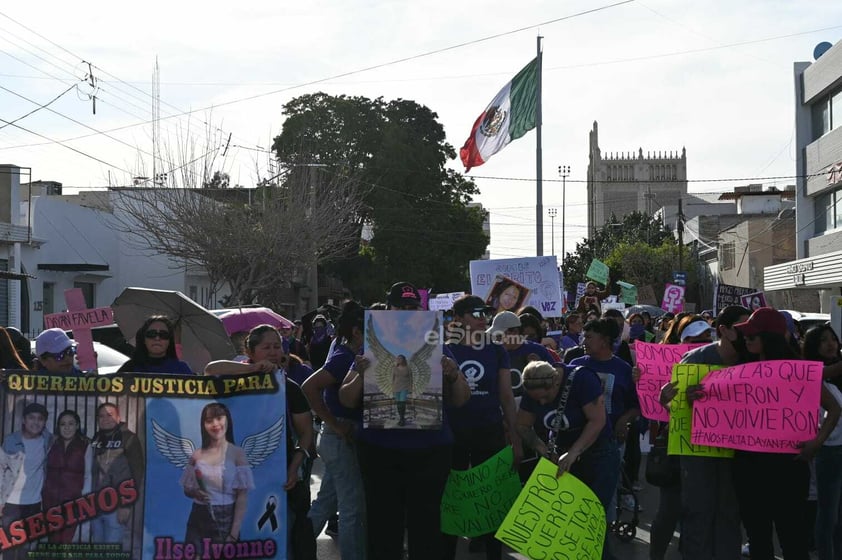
423,230
255,242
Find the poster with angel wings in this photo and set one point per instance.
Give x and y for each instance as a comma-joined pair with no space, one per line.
143,466
403,385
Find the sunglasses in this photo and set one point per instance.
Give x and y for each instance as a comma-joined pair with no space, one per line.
482,313
151,334
70,350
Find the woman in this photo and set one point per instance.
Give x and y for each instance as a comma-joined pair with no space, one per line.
822,345
9,357
506,295
67,471
637,329
401,385
154,349
580,437
218,478
264,349
764,500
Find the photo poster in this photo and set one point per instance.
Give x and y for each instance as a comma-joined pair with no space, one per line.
539,274
403,383
726,294
506,294
136,475
753,301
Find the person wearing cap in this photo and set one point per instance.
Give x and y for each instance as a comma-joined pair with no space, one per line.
33,441
580,438
405,471
55,351
697,330
342,485
486,423
755,473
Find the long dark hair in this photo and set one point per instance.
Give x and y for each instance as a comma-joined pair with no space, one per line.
80,434
215,410
353,315
9,357
812,341
256,335
775,347
141,354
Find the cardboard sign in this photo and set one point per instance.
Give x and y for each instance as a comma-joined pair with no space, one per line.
681,414
760,406
655,362
726,294
628,293
646,295
143,469
403,384
598,271
580,292
673,298
475,501
539,274
80,320
555,518
753,301
444,302
425,298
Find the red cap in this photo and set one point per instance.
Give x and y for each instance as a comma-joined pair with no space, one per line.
764,320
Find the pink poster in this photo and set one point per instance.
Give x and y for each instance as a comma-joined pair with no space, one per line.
425,298
655,362
754,301
673,298
769,407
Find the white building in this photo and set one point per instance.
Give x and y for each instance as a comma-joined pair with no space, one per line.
818,202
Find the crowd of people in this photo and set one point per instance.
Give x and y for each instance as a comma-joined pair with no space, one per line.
559,388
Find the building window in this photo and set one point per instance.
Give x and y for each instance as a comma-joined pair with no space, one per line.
836,110
821,118
48,298
727,256
828,210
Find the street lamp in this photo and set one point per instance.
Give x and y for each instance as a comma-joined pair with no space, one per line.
551,212
564,172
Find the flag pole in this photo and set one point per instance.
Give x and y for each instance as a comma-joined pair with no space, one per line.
539,207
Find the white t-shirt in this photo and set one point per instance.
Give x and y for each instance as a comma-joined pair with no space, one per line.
30,480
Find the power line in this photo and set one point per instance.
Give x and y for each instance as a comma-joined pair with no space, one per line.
44,106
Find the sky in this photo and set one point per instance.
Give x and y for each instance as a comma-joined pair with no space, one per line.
714,77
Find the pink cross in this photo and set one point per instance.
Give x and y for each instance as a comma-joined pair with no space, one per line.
80,320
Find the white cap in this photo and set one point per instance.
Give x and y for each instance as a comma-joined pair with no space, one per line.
502,321
696,328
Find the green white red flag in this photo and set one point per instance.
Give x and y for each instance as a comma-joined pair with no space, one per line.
509,116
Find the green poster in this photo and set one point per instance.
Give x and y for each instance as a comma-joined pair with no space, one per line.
681,414
555,518
628,293
598,271
475,501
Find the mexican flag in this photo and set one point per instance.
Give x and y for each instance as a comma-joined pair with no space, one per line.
508,117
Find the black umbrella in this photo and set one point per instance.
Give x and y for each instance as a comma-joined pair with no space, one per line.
653,311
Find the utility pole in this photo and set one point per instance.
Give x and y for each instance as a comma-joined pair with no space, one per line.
564,171
680,228
552,212
539,209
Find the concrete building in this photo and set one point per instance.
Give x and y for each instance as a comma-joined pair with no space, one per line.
621,183
817,265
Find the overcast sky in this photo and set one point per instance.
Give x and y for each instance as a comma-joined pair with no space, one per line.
656,74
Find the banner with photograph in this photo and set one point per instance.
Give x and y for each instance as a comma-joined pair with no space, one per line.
136,466
537,274
403,384
753,301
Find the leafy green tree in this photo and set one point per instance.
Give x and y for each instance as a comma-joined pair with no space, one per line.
423,230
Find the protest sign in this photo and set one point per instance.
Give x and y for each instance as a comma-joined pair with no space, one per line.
403,386
753,301
646,295
598,271
506,294
655,363
769,406
475,501
628,293
681,413
580,292
444,302
555,518
425,298
148,449
612,305
673,298
538,274
80,320
726,294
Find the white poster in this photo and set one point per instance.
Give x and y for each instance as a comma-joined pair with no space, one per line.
537,274
443,302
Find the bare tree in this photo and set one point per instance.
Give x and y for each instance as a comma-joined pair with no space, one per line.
254,241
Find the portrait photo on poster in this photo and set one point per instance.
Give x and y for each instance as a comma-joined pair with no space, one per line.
403,383
506,294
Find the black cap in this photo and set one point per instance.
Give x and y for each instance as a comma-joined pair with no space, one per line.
403,294
469,303
35,407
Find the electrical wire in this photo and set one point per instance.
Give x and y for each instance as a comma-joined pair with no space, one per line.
43,106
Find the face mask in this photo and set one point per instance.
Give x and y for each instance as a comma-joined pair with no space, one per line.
636,330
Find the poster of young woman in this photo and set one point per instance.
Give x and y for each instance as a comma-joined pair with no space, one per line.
138,466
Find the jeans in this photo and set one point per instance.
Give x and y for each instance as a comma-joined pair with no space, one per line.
599,469
611,510
772,490
404,488
829,491
472,447
710,525
341,463
107,529
665,521
325,505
